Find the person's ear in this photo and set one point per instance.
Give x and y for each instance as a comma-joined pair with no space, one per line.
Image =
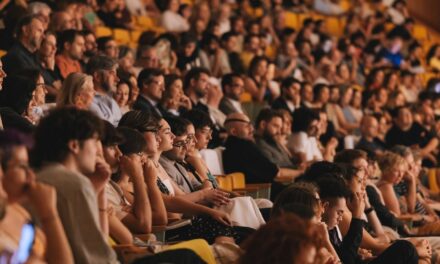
66,45
73,146
97,76
263,125
325,206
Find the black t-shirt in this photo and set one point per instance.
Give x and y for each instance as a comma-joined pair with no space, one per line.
416,135
243,155
370,147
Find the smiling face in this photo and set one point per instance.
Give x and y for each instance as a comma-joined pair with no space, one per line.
122,94
273,127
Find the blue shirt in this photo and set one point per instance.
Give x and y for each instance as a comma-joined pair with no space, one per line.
105,107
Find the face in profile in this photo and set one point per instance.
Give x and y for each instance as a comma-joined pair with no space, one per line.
17,175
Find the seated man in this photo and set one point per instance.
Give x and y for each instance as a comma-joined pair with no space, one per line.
103,71
409,133
369,141
269,124
242,155
66,150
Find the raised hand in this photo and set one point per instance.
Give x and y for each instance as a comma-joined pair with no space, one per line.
357,205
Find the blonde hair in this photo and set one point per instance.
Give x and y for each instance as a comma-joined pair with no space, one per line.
72,86
389,160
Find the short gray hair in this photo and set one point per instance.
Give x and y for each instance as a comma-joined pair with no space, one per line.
35,8
99,63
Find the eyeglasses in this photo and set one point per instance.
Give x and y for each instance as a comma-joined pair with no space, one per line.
181,143
140,154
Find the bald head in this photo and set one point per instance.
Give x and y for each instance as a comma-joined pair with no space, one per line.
239,125
369,126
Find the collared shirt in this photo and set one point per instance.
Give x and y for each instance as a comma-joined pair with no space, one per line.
236,104
67,65
105,107
153,103
78,209
290,105
179,175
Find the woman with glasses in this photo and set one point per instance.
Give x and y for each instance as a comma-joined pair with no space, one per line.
207,223
22,97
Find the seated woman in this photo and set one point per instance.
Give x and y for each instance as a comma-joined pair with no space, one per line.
18,102
174,101
394,169
209,224
20,239
77,91
259,81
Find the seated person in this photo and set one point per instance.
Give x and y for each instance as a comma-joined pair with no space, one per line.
268,127
131,208
66,152
369,141
394,169
333,193
299,197
207,223
303,142
409,133
243,210
256,167
291,236
20,239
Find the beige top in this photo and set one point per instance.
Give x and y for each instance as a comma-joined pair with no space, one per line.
78,209
117,200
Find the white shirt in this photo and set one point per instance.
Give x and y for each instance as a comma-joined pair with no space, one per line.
302,143
236,104
174,22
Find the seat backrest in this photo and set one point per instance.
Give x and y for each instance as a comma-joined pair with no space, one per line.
238,180
224,182
214,160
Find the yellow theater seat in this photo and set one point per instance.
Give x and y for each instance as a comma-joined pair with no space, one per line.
103,32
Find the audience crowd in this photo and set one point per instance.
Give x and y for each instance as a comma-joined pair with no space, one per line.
150,131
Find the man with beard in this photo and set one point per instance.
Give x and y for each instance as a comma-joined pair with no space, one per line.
196,85
103,71
91,48
268,127
72,50
21,55
304,142
243,155
233,88
290,98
